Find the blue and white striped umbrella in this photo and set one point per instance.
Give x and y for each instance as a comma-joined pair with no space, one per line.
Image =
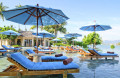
70,35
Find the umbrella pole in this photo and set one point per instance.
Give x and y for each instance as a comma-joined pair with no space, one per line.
37,31
10,39
94,38
43,41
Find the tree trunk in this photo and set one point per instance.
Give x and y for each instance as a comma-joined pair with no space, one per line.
55,32
1,42
41,28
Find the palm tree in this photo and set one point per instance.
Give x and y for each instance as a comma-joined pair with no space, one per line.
17,6
2,8
34,26
55,28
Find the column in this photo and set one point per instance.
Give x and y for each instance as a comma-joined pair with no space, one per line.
23,41
32,42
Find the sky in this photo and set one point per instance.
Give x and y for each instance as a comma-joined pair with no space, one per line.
80,12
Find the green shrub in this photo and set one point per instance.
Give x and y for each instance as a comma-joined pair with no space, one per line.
16,46
112,46
61,44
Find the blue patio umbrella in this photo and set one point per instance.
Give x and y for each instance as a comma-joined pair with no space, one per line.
56,39
74,41
35,15
70,35
10,32
95,27
44,34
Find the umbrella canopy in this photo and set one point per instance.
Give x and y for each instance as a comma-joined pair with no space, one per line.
28,14
70,35
44,34
56,39
75,40
94,28
35,15
10,32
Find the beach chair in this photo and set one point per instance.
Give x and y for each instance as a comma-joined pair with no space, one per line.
2,51
23,66
71,50
14,49
45,58
84,52
74,49
62,48
47,51
96,54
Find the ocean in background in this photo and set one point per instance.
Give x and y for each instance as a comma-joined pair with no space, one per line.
88,68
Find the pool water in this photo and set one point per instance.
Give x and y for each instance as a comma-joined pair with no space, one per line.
88,68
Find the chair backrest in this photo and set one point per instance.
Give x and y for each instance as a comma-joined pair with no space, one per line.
5,47
94,52
30,51
22,60
83,50
36,47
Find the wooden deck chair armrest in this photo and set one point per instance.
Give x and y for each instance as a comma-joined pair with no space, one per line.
16,64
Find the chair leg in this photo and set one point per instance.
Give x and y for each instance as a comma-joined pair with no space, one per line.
91,58
113,58
19,75
105,58
65,74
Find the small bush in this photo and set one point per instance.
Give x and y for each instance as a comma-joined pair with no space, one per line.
16,46
112,46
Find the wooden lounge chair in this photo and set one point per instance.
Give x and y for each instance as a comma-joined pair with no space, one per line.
2,51
84,52
13,49
23,66
96,54
46,51
71,50
45,58
62,48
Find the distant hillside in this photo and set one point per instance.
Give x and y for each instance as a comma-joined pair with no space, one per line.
108,42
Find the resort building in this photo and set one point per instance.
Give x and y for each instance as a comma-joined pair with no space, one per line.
26,39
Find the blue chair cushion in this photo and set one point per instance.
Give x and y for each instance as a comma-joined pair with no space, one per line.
30,51
53,58
103,54
3,50
10,48
43,49
108,54
18,57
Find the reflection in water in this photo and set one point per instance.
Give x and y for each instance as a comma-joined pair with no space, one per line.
93,64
